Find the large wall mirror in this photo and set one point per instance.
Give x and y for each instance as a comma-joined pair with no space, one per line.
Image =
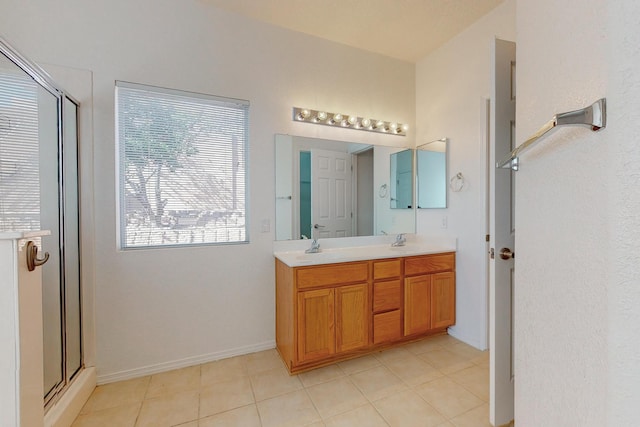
432,174
327,188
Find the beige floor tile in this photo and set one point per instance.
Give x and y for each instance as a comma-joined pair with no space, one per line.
246,416
317,424
336,397
362,416
169,410
468,352
446,361
408,409
413,370
448,397
445,340
359,364
122,416
477,417
446,424
290,410
263,361
377,383
475,379
391,354
189,424
225,396
222,371
176,381
321,375
423,346
273,383
482,360
116,394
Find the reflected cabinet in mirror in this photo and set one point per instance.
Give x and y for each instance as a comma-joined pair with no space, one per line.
432,174
327,188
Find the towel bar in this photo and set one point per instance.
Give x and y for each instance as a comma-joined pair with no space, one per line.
594,116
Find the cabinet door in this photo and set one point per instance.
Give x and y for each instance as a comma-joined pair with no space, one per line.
417,307
352,317
443,300
316,327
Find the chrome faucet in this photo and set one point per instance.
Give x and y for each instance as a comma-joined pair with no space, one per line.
400,240
315,247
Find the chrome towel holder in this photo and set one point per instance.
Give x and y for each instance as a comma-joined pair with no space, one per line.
593,116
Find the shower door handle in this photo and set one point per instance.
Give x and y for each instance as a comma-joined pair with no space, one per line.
32,256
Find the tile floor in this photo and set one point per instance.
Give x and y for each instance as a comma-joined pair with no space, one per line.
437,381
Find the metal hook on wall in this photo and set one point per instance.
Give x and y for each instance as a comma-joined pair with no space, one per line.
32,256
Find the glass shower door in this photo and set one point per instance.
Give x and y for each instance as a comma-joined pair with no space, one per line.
39,191
52,304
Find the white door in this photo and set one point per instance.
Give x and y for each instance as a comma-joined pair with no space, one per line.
502,231
330,194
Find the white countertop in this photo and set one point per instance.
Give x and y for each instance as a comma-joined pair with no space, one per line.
298,258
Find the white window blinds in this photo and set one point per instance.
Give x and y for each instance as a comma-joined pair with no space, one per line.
19,155
182,167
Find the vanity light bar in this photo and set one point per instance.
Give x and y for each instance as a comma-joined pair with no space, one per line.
348,121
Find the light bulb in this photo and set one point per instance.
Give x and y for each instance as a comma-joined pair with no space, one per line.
405,128
303,114
352,120
344,123
337,117
322,115
392,126
365,123
378,124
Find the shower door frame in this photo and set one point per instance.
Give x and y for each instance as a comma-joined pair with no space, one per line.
46,82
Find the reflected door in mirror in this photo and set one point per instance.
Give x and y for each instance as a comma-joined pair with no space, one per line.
402,180
331,194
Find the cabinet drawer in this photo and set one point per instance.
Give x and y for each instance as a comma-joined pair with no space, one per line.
309,277
386,326
429,264
386,269
386,295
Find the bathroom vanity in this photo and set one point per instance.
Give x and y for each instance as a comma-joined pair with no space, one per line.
336,305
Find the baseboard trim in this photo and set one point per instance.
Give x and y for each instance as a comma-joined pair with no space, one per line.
65,410
183,363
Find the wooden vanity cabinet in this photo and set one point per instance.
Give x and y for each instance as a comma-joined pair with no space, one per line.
429,293
331,312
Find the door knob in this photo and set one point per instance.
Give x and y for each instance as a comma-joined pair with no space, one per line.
32,256
316,226
505,253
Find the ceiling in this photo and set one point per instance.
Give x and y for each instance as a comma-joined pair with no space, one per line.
402,29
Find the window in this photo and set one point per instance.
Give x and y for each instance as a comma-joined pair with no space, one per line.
182,167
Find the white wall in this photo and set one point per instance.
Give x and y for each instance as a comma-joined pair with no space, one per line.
451,84
157,309
577,291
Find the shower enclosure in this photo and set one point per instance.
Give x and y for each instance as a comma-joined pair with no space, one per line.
39,191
